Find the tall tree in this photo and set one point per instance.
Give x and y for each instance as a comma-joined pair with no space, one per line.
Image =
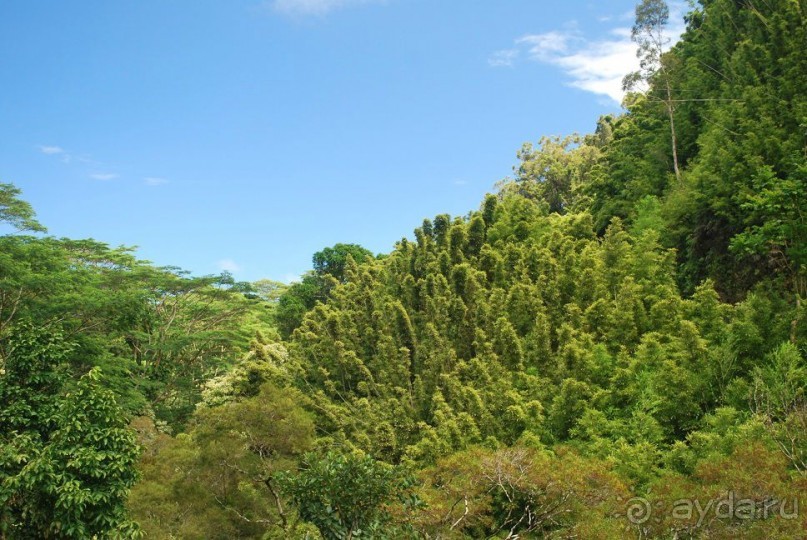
17,212
332,260
344,495
648,34
67,458
555,171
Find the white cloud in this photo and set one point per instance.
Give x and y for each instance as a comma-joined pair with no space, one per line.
545,46
593,66
56,151
51,150
503,58
314,7
228,265
596,66
103,176
73,160
154,181
599,67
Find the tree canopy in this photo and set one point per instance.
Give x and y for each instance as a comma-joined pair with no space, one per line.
620,324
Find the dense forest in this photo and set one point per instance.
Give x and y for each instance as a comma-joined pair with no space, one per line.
613,345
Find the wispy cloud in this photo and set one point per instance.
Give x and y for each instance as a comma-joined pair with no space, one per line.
228,265
600,66
58,151
503,58
70,158
51,150
548,45
91,168
103,176
597,66
314,7
594,66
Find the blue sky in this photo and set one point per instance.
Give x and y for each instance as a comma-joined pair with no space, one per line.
245,135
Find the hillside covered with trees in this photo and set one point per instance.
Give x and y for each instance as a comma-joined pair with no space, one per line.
616,333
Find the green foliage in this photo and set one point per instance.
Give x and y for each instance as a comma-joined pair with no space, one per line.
67,458
595,331
332,265
625,296
219,480
780,397
518,491
157,333
333,260
556,171
17,212
775,224
344,494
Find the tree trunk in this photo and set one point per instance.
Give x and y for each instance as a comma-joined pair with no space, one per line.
794,324
670,113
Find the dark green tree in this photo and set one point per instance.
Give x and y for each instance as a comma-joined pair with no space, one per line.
67,457
344,495
332,260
